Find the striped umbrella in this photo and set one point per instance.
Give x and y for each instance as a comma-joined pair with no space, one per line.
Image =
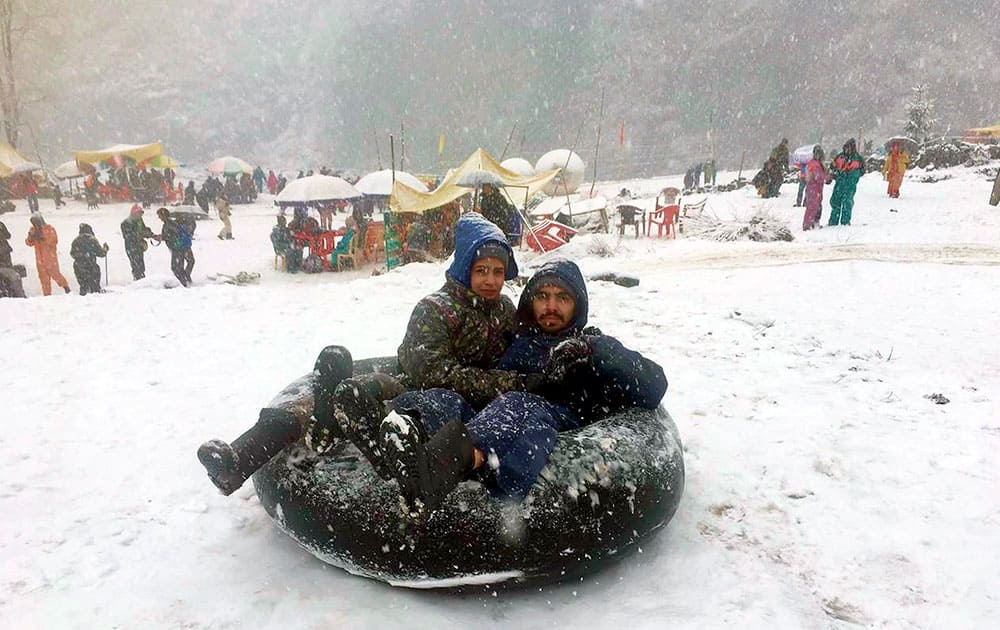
229,165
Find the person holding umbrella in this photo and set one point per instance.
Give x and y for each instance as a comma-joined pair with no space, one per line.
85,251
895,166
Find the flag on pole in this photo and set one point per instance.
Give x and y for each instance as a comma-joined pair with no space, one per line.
441,144
621,134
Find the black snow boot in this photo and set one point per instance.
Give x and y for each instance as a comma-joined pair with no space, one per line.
229,465
332,366
427,470
358,408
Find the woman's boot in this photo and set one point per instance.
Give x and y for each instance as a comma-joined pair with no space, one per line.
333,365
427,470
358,407
229,465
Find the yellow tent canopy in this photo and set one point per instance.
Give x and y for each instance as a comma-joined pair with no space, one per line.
13,162
405,199
983,132
135,152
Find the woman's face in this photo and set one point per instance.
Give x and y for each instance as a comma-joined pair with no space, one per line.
486,277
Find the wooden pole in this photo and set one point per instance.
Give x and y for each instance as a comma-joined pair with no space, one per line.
597,150
509,136
576,141
739,176
402,147
392,154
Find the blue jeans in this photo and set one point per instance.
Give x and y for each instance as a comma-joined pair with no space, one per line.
801,193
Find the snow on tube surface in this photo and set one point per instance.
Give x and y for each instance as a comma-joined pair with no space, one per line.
607,486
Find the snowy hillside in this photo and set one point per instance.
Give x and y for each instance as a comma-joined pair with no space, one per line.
302,83
824,489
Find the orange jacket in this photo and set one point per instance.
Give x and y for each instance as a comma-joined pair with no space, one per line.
45,247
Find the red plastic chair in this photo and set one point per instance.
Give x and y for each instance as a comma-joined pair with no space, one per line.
549,235
322,245
664,219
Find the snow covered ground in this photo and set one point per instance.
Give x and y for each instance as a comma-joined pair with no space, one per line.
824,489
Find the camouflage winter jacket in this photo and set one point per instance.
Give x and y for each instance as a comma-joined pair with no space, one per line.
455,339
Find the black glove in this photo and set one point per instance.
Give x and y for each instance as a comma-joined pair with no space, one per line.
565,356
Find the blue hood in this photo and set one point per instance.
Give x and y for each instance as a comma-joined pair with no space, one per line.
471,233
566,271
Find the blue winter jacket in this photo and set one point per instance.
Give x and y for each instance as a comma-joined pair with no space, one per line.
614,379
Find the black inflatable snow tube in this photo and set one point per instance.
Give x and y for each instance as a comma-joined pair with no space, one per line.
606,487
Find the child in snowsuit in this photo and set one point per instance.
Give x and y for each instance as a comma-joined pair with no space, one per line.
85,251
44,239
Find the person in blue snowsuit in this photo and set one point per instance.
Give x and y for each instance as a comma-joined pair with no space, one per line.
576,376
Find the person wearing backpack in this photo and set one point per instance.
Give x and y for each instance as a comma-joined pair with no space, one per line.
178,241
85,250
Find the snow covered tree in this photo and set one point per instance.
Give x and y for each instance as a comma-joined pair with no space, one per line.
920,117
10,103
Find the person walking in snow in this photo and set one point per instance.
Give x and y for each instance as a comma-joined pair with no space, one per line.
85,251
10,277
895,167
31,192
134,234
586,376
847,168
57,195
190,194
258,178
178,241
801,164
225,211
44,239
815,179
272,182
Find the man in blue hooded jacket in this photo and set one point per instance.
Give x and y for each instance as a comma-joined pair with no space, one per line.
584,376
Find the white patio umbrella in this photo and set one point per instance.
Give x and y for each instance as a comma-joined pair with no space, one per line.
316,189
68,170
380,182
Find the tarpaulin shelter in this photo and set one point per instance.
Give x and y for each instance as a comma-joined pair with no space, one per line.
982,134
405,199
12,162
120,153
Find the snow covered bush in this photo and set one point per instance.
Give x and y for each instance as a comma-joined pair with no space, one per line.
601,246
762,225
